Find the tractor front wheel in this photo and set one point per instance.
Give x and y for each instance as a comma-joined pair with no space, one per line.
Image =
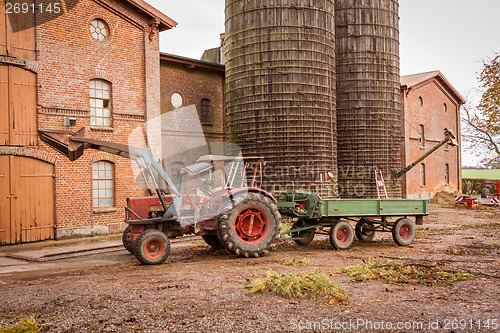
249,225
128,245
341,235
403,232
152,247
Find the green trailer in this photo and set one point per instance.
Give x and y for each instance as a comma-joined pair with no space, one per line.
313,214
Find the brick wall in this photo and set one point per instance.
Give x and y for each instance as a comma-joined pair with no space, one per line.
195,83
67,58
435,119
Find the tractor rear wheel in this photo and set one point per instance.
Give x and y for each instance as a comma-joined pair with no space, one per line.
303,237
249,225
152,247
364,231
403,232
341,235
213,241
128,245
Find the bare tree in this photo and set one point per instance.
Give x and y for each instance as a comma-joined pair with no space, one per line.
482,121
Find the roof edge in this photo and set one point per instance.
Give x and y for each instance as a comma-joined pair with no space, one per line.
437,75
192,62
165,23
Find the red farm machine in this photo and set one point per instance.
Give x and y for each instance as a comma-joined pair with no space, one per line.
213,201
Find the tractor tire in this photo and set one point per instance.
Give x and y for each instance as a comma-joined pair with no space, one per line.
364,231
485,192
213,241
341,235
249,225
152,247
306,236
403,232
129,246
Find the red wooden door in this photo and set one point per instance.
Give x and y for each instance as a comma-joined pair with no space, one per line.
18,119
26,200
4,105
3,29
5,236
20,32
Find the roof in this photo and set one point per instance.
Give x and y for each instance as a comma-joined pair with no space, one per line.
192,63
415,80
165,22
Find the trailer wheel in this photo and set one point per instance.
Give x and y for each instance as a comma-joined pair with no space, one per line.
306,236
249,225
341,235
213,241
128,245
485,192
152,247
403,232
364,231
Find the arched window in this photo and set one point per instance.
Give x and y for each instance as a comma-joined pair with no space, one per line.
447,174
100,103
205,111
422,174
103,184
99,30
420,101
421,136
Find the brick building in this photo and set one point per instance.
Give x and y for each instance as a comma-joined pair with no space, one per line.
195,88
431,104
96,67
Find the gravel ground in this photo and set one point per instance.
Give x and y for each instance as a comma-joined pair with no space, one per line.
198,289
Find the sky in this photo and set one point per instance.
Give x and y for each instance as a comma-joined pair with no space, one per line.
453,36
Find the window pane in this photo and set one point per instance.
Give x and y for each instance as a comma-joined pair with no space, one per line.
106,202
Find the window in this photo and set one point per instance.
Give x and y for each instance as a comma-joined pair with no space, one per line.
205,111
421,136
100,106
422,174
99,30
176,100
420,101
103,184
445,107
447,174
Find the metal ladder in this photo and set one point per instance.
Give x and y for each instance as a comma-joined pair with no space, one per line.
380,184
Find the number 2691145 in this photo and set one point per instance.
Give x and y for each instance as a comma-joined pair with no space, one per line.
26,8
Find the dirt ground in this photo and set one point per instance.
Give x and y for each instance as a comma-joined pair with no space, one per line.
199,289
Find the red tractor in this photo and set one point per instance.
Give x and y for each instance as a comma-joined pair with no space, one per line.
209,198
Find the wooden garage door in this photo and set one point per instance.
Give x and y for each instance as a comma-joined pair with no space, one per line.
17,31
27,200
17,106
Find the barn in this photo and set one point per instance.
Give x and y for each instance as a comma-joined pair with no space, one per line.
96,66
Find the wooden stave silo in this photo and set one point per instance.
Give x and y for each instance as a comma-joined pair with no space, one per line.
369,110
280,89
